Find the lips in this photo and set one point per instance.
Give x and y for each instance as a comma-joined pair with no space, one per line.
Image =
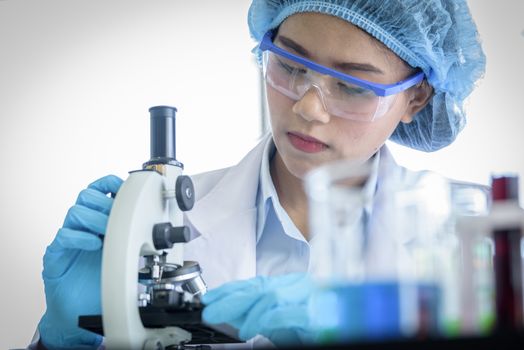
306,143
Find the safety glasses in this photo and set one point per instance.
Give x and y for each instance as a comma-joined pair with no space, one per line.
342,95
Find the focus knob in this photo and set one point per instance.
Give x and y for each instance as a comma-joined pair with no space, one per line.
165,235
185,193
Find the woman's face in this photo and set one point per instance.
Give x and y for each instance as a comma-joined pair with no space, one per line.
305,135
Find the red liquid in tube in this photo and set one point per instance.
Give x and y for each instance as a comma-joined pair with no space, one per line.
507,260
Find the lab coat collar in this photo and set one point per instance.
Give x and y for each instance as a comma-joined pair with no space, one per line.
389,172
233,194
223,219
391,177
236,180
266,188
228,197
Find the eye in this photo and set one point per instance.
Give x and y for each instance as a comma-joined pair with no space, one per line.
353,90
291,69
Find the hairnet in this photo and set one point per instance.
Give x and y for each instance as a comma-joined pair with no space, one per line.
437,36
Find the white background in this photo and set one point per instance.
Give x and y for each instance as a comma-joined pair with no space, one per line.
77,78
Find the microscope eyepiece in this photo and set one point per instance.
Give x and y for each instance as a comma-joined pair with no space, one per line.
163,131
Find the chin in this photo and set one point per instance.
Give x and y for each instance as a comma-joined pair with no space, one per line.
299,168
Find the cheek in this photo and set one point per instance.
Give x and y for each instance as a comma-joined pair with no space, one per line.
364,139
279,105
354,139
386,125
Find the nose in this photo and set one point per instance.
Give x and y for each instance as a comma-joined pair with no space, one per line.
311,106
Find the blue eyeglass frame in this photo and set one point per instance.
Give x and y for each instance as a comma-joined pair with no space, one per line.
379,89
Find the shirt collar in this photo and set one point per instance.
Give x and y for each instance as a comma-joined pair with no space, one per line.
370,188
267,194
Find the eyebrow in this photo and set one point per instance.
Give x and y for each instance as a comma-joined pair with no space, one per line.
343,66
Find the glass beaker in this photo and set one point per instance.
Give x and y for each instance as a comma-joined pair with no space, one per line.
427,212
355,262
422,222
394,251
337,199
472,203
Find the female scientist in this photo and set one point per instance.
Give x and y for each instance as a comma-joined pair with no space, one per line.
342,77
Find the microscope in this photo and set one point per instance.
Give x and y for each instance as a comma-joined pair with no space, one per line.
150,295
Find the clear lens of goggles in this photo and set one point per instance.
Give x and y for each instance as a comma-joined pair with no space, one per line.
338,97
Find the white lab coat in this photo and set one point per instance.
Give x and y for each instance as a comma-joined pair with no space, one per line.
223,220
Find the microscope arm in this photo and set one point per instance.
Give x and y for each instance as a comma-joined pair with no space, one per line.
140,204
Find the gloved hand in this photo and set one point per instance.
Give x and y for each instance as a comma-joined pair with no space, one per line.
72,266
275,307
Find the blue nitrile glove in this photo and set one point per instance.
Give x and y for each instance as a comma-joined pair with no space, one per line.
72,266
275,307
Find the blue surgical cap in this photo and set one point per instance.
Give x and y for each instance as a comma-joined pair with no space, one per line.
437,36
